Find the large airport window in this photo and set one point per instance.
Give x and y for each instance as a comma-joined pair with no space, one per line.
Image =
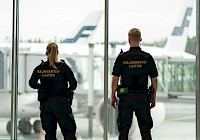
168,34
1,70
77,28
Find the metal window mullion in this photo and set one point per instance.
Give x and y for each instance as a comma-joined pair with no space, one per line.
106,72
198,73
14,90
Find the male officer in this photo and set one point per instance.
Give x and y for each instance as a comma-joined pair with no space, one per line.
134,67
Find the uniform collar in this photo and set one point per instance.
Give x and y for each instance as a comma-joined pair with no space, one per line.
49,61
135,48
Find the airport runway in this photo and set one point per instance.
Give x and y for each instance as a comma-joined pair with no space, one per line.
179,124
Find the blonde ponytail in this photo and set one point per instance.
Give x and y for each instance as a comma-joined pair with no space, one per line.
52,49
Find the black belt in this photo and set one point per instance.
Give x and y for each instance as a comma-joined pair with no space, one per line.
55,95
134,90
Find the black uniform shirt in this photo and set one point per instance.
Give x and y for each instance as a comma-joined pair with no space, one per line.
134,66
53,81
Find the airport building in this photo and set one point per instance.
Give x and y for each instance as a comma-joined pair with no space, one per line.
95,36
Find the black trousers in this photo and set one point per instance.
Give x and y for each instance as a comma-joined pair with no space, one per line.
57,110
140,104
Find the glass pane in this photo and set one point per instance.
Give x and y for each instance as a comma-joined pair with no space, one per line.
168,34
5,67
77,28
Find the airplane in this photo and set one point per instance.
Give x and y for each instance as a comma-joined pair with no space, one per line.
72,50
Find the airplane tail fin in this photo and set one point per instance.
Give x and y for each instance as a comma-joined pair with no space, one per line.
178,38
86,29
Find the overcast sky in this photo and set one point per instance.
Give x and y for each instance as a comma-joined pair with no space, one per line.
47,19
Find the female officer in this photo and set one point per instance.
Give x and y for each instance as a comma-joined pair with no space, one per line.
57,83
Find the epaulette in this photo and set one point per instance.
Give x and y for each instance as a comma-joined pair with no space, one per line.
42,62
62,60
120,55
64,63
121,52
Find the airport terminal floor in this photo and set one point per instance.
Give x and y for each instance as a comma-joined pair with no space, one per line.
178,123
90,34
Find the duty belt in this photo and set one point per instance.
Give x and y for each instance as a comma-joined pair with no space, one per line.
132,91
127,90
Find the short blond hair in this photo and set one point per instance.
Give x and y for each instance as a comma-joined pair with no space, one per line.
134,34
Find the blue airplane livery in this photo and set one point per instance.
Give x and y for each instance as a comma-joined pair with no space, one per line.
80,34
178,31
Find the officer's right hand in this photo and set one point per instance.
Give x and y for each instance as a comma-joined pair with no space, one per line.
114,102
153,104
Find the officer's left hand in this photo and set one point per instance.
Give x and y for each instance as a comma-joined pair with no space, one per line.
153,104
114,102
